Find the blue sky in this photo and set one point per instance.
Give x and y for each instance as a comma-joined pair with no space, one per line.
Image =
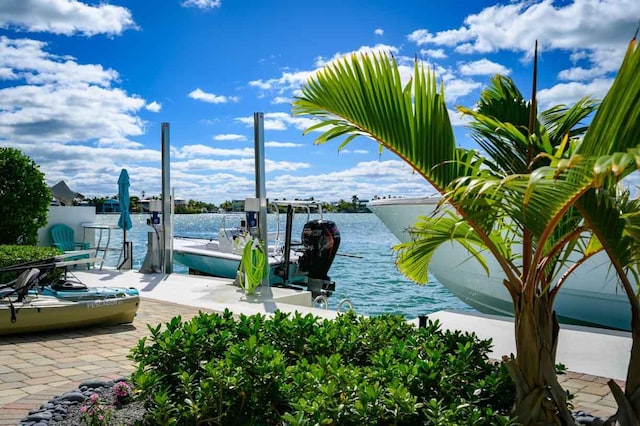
85,85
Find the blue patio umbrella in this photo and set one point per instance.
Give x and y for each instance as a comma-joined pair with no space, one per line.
125,218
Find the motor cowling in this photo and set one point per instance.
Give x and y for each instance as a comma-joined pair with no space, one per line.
320,239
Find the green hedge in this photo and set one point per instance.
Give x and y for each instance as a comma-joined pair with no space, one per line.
219,370
11,255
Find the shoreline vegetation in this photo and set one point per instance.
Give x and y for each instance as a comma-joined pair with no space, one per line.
140,205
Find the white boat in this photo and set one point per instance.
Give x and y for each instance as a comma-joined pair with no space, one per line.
307,260
591,296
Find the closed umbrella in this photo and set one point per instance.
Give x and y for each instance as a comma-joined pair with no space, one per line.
125,218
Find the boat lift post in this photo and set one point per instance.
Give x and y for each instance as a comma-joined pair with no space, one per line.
261,192
167,210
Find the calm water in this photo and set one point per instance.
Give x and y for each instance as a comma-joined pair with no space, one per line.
372,282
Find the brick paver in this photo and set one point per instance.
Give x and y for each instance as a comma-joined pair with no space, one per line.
36,367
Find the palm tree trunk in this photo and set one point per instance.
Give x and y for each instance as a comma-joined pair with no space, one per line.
629,402
539,397
633,373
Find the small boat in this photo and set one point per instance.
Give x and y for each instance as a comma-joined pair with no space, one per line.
27,307
42,313
591,296
304,263
77,291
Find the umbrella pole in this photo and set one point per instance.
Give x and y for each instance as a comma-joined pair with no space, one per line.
123,253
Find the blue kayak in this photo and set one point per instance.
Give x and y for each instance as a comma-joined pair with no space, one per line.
76,291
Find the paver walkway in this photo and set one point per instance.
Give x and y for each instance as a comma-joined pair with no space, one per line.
36,367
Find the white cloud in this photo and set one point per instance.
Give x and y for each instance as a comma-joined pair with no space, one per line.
355,151
517,25
601,61
29,61
378,48
242,165
433,53
282,145
569,93
93,171
286,82
154,106
455,88
290,82
365,179
445,38
280,121
579,73
483,67
230,137
578,55
54,98
378,31
200,95
281,100
66,17
199,150
70,119
458,119
202,4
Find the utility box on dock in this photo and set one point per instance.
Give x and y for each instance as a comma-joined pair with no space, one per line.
153,260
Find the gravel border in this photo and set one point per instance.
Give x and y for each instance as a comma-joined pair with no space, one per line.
64,409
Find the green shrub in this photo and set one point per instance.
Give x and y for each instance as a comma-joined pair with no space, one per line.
24,198
300,370
11,255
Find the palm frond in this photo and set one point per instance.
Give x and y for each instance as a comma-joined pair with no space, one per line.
428,234
560,121
364,95
614,127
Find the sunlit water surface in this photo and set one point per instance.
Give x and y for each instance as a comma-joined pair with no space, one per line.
367,276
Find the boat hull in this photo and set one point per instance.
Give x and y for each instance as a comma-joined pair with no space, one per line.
43,313
76,293
199,255
591,295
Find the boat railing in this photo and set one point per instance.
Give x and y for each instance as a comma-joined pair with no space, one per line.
345,302
321,302
232,237
305,206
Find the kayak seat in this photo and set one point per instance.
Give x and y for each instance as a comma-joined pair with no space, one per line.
25,281
20,285
6,292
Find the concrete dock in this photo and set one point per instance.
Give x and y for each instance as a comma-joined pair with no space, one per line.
36,367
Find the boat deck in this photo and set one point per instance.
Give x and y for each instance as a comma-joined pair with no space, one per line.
36,367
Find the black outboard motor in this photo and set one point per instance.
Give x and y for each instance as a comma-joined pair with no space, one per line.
321,239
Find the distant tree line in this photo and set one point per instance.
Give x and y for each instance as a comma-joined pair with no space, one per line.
355,205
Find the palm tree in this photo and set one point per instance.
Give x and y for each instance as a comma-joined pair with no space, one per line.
612,142
355,203
522,194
